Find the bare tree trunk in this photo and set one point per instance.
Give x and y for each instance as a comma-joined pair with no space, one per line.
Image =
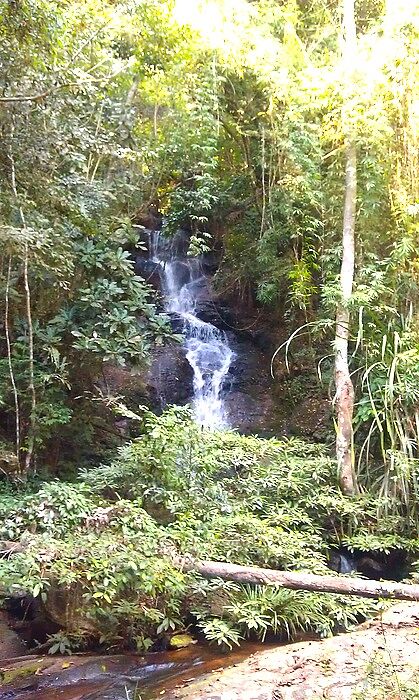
344,397
343,585
9,359
31,386
155,115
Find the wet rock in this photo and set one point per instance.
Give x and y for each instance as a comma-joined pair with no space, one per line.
179,244
181,271
248,391
180,641
64,608
250,400
342,562
10,643
82,677
312,418
210,262
168,380
170,377
370,568
18,675
251,414
389,565
53,677
211,312
149,271
128,382
149,218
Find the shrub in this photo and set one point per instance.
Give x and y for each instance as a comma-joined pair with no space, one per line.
102,550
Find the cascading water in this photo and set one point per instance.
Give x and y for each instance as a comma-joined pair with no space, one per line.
207,348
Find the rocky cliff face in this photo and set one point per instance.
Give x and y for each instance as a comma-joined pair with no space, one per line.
254,401
248,389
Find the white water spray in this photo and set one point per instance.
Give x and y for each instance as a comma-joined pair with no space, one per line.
207,348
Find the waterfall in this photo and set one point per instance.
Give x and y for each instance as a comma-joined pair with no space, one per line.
207,349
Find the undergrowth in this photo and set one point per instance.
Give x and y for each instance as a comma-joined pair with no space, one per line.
101,555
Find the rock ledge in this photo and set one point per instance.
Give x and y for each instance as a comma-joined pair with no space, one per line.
374,662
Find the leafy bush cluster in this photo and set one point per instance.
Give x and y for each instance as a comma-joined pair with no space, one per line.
106,550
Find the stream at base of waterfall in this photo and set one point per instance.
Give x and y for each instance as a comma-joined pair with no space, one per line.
183,283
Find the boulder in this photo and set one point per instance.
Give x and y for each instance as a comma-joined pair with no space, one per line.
180,641
64,607
149,271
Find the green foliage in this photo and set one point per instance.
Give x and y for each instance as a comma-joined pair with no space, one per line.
237,122
109,546
382,680
220,632
56,508
107,564
235,132
112,317
64,644
61,213
259,611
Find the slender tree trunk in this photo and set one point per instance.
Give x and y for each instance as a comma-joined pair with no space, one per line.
344,397
31,385
9,359
343,585
155,116
262,218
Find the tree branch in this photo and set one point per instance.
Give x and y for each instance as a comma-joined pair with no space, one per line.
50,91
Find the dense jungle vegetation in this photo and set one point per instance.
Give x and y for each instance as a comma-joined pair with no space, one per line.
264,128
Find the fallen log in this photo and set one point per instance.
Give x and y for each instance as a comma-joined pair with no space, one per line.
298,581
344,585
